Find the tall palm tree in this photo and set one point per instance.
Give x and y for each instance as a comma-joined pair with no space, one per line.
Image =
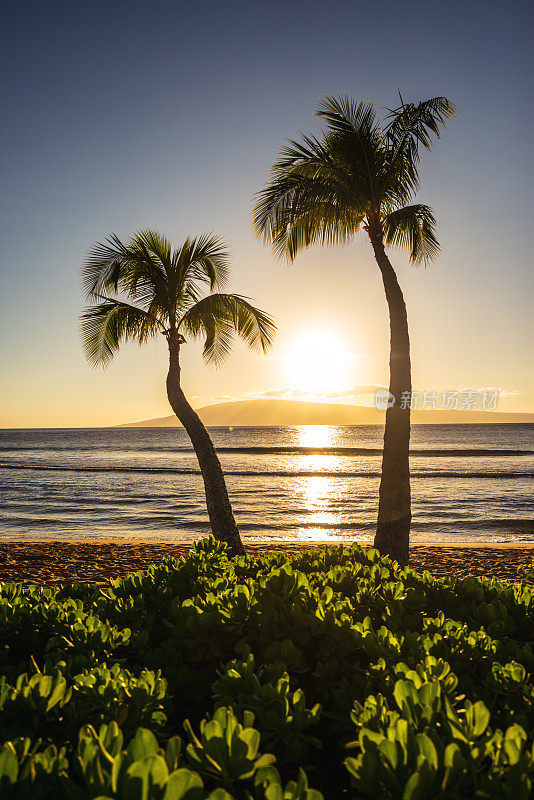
362,174
145,288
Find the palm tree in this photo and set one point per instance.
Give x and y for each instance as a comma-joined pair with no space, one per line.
362,174
144,288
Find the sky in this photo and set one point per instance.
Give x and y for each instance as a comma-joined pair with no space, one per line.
125,115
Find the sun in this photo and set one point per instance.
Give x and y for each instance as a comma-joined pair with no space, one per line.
318,362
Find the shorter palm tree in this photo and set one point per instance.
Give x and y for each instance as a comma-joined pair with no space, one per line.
146,288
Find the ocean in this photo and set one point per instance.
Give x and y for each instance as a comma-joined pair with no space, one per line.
306,483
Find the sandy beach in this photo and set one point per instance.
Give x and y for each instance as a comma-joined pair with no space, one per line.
51,562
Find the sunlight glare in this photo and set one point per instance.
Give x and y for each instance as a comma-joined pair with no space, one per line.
315,435
318,361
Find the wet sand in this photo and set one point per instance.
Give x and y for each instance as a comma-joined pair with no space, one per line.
51,562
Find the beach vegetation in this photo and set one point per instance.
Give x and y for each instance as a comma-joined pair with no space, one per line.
325,673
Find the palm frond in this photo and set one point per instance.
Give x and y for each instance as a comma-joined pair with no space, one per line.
356,135
321,189
297,211
154,245
109,323
165,286
104,267
413,228
135,269
218,317
414,124
203,258
319,223
346,115
312,197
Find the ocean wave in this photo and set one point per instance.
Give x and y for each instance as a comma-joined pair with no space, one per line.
160,521
523,525
276,450
264,473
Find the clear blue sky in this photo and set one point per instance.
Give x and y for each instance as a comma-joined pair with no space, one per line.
121,115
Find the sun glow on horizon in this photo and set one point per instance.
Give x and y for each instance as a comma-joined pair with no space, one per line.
318,361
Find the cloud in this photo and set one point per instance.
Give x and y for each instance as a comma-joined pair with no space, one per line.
354,395
502,392
359,395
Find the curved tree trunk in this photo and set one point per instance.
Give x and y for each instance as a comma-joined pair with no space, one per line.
394,505
223,525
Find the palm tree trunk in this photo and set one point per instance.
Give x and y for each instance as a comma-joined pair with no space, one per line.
394,504
223,525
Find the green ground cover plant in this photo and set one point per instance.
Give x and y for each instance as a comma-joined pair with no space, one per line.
321,674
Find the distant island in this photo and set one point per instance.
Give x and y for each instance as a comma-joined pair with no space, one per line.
297,412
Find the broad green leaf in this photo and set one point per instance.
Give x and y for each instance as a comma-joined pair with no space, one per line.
9,767
143,744
183,785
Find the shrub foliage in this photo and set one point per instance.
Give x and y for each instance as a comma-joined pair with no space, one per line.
323,674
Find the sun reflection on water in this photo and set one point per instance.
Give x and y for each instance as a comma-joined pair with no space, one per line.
319,493
315,435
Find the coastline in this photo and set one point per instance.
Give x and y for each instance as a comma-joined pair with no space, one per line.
53,561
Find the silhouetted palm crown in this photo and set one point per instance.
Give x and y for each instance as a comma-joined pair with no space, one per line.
145,287
361,172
